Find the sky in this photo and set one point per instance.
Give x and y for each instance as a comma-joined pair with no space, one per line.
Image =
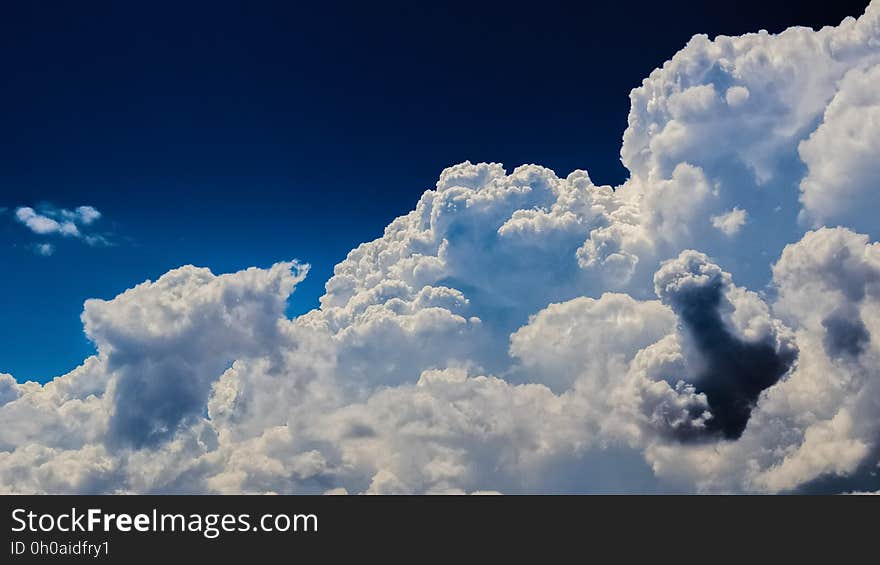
632,249
229,135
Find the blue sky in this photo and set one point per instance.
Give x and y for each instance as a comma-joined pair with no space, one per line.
230,135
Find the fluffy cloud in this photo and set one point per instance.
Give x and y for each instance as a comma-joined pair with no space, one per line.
840,155
165,342
524,332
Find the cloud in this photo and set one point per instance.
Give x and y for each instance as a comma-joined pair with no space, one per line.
44,249
8,389
525,332
166,341
86,215
845,335
52,221
840,155
730,222
732,371
44,225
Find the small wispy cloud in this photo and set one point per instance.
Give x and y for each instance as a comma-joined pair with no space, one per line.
44,249
44,225
48,220
730,222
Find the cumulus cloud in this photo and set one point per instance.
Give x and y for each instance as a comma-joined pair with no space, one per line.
840,155
524,332
166,341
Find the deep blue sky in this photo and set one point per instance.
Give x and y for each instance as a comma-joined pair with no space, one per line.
230,135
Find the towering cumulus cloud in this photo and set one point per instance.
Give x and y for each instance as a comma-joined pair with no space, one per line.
710,325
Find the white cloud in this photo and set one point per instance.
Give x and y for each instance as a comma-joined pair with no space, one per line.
168,341
841,155
44,225
522,332
730,222
600,336
86,215
51,221
736,95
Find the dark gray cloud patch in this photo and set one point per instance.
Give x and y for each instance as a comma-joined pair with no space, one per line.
845,335
734,371
154,400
